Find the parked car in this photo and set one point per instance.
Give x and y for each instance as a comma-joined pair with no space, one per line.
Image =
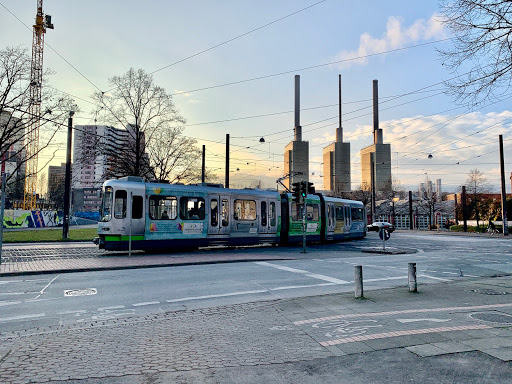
378,225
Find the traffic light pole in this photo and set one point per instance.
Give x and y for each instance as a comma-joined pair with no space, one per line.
304,229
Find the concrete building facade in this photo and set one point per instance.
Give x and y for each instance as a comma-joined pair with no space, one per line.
336,158
378,154
296,153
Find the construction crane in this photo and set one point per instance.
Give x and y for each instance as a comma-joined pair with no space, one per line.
36,80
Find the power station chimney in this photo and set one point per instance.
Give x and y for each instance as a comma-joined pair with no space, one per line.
339,130
377,133
298,128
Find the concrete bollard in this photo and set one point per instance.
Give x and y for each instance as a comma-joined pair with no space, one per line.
358,281
413,285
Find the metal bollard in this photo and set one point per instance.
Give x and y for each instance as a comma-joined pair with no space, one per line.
358,281
413,285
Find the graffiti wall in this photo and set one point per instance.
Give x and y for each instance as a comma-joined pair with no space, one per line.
32,219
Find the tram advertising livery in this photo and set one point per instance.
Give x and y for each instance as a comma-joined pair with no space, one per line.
169,216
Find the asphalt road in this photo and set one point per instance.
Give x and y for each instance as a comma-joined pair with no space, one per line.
63,299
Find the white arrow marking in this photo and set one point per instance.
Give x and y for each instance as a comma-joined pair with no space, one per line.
414,320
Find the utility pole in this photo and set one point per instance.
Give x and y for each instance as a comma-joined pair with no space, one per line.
372,182
410,211
227,162
67,182
503,190
464,218
203,165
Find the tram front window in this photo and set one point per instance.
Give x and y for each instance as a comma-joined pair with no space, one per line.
106,204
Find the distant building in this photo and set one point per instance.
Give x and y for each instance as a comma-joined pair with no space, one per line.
96,152
56,180
13,130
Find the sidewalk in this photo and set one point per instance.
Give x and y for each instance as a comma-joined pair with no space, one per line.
458,332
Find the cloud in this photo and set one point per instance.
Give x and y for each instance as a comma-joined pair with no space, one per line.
184,93
396,36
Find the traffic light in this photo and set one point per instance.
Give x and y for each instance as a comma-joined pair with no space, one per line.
311,188
297,192
303,189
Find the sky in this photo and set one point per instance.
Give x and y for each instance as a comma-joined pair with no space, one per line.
260,46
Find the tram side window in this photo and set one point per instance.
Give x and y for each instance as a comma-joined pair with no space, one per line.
192,208
297,211
339,213
272,214
137,207
163,207
263,213
312,211
214,211
106,205
120,204
357,214
225,213
245,210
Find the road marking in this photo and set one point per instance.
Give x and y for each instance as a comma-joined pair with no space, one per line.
23,317
405,321
434,278
422,310
402,333
216,296
112,307
301,286
385,278
47,285
306,273
80,292
71,312
5,303
450,273
146,303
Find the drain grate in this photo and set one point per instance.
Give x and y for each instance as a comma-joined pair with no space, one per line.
492,317
489,292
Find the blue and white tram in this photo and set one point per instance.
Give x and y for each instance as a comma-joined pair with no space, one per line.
169,216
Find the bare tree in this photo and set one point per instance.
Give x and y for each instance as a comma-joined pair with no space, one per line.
476,185
482,32
153,145
174,157
16,120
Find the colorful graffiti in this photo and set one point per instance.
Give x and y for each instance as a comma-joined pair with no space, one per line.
32,219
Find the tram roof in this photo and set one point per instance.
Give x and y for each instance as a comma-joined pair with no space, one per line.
127,183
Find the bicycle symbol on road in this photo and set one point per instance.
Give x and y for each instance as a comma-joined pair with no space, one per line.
346,328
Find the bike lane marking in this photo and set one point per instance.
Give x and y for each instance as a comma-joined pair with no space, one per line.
406,311
386,335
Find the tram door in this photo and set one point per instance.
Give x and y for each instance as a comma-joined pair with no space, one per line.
137,214
218,218
348,219
263,218
331,217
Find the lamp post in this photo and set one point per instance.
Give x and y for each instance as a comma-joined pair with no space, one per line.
67,182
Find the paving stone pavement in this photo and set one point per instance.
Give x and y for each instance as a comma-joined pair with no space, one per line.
268,334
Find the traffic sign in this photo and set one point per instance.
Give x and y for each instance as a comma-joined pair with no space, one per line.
384,234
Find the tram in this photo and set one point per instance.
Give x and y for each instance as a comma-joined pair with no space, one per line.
158,216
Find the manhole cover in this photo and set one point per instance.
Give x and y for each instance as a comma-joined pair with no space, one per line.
489,292
492,317
80,292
